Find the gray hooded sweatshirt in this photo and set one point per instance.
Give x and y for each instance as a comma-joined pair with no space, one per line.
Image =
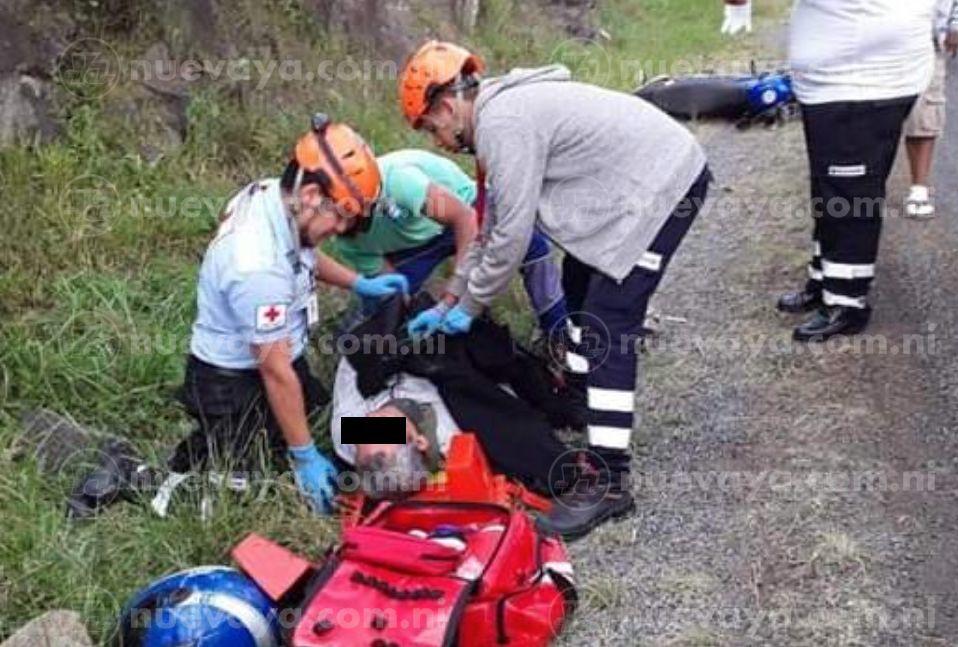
599,171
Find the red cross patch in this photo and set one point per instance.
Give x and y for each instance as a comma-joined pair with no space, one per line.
270,317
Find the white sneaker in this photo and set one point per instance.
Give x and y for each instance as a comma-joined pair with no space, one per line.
918,204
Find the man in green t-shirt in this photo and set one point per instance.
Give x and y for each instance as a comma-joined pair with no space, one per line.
424,216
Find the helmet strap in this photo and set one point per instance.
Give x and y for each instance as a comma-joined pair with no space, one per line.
460,135
293,213
320,133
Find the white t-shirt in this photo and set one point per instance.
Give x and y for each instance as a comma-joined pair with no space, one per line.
348,401
861,50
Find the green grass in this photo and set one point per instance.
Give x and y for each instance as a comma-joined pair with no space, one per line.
97,265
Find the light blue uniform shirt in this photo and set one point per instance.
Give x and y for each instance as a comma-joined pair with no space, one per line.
249,289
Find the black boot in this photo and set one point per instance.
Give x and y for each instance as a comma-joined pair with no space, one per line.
594,499
831,321
806,300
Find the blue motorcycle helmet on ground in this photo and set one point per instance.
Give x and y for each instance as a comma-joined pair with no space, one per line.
212,606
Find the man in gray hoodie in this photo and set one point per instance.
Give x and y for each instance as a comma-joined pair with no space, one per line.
609,178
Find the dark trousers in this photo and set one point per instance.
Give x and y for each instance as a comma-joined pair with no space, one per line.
515,429
851,149
608,325
236,429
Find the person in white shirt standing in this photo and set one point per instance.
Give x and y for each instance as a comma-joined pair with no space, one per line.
858,66
926,123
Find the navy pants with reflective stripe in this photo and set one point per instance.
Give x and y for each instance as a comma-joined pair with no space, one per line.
607,326
851,149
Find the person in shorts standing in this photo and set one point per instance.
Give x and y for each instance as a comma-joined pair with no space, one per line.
927,120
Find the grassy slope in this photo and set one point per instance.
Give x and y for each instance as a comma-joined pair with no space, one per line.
96,295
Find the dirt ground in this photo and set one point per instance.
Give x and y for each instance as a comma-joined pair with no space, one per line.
787,495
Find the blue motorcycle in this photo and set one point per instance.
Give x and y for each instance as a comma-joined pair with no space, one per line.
764,98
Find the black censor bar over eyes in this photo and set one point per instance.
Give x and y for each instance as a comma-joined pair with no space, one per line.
384,431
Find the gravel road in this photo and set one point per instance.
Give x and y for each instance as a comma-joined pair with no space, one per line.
788,495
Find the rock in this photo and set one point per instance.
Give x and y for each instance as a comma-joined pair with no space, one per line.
157,121
192,27
52,440
160,71
25,110
152,106
56,628
576,17
28,55
32,37
392,28
50,51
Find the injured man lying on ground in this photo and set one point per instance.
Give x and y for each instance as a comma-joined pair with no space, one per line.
483,383
388,470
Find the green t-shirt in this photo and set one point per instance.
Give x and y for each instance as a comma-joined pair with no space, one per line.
406,176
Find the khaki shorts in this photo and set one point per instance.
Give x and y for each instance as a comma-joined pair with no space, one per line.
927,119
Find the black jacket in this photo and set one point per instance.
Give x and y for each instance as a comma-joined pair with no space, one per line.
516,431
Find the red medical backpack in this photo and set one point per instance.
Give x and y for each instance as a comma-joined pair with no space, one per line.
438,574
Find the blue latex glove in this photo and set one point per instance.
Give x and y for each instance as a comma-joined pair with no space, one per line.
315,477
428,321
456,322
381,286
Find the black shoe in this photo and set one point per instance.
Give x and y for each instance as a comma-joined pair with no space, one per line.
831,321
591,502
798,302
118,475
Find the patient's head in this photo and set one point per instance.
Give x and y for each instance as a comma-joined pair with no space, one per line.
391,471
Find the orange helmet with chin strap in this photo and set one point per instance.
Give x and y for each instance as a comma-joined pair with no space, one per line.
434,66
336,151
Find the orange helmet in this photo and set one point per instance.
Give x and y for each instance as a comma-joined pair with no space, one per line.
434,65
337,151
